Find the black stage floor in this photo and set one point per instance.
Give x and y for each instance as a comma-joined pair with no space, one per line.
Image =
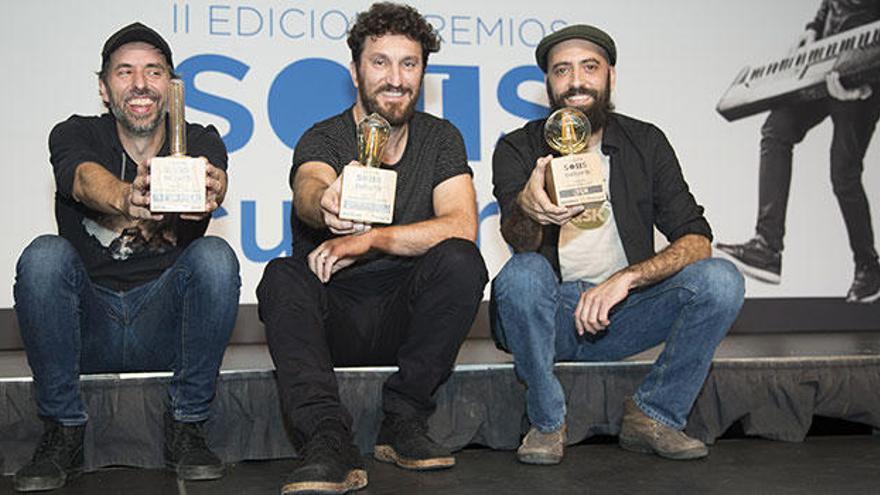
820,465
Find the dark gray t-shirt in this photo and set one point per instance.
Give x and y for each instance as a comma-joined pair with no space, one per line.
434,152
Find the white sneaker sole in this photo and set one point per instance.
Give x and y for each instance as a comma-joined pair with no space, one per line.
865,300
749,270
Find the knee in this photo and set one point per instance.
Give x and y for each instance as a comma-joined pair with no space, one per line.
213,261
45,262
287,276
460,259
285,282
721,283
273,277
524,276
846,179
288,295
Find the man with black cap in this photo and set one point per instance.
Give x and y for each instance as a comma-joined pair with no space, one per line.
586,283
121,288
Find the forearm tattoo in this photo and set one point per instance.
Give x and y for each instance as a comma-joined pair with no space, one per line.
521,232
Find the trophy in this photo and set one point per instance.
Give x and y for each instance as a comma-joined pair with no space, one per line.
177,182
367,190
575,178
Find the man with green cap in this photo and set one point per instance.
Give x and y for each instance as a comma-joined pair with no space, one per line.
586,283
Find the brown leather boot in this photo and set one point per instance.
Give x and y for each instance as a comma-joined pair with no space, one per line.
542,448
640,433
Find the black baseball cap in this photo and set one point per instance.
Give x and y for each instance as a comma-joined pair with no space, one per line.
135,32
577,31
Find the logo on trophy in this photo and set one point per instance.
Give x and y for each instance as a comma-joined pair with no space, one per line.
575,178
367,190
177,182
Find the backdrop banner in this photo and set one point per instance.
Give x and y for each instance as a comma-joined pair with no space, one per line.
264,71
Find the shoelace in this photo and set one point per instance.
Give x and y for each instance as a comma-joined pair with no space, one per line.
411,430
52,444
758,244
323,448
412,426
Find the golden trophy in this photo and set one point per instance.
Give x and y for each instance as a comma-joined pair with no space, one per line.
575,178
367,190
177,182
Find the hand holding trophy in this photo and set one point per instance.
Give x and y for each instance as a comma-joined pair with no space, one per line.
368,191
177,182
575,178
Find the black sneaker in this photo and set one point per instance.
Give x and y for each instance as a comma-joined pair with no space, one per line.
404,441
755,259
331,465
866,284
187,454
58,458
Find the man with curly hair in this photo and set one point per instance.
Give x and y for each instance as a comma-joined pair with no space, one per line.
354,294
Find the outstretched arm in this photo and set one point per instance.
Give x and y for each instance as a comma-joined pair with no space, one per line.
100,190
316,189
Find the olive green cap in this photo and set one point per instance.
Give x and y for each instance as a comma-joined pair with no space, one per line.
577,31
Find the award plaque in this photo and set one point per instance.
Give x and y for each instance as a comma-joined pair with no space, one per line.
575,178
177,182
367,190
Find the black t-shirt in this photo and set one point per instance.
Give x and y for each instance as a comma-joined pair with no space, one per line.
835,16
120,254
434,152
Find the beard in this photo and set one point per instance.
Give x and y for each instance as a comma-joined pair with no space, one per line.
137,125
597,111
396,114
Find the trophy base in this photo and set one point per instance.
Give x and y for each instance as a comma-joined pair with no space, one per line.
177,184
573,180
367,194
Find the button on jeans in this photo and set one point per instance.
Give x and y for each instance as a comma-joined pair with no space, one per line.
180,321
532,317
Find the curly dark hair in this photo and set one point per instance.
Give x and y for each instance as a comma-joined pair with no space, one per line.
391,18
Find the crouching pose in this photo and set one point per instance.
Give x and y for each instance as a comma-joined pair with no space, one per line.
356,294
586,283
120,288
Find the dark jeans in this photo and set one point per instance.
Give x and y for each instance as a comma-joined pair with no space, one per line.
181,321
416,318
854,124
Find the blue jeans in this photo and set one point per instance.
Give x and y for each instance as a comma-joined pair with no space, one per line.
180,321
691,312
